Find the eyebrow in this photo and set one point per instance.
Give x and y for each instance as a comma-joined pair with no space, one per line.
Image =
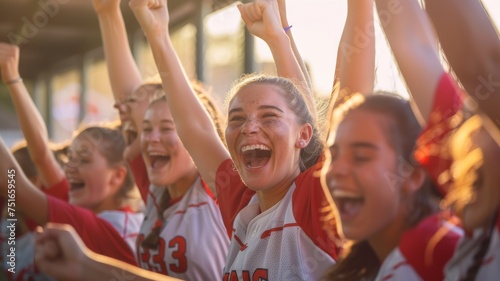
239,109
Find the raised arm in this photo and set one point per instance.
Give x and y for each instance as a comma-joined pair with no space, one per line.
32,124
193,124
15,185
123,72
355,69
288,29
472,47
61,253
262,18
415,48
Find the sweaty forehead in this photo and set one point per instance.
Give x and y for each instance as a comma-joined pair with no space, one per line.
258,94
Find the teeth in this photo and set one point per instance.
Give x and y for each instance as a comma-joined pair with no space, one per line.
157,154
254,146
345,194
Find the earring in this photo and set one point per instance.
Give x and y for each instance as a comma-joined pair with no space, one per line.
302,144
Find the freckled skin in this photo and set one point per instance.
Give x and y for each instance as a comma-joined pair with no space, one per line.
259,114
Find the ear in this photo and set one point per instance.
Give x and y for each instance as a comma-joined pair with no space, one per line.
118,176
415,181
305,135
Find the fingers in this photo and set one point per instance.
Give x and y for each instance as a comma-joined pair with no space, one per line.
9,61
250,12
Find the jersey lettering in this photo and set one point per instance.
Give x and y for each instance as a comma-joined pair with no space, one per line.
157,263
178,243
260,274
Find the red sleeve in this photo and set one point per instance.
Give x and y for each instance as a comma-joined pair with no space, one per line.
429,246
232,193
431,151
138,169
59,190
311,211
97,234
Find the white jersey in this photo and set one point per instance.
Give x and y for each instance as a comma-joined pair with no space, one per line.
126,223
464,255
23,268
422,252
193,242
274,244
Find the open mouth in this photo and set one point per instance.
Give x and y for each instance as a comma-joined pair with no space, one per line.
348,204
73,186
158,161
256,155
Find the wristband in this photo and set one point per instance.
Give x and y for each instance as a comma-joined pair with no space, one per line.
14,81
287,28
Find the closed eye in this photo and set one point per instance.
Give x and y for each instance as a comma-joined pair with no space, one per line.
267,115
236,118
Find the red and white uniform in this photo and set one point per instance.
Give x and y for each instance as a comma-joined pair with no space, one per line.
193,242
423,252
110,233
24,269
431,151
464,255
286,242
140,174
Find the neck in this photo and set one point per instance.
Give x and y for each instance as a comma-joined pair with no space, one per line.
109,204
270,197
181,186
388,239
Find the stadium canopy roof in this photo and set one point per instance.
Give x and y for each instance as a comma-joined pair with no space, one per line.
51,31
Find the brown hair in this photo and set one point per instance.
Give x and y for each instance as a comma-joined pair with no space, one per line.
360,261
110,144
310,154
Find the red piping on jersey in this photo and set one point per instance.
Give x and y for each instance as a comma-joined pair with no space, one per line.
268,232
387,277
488,260
191,206
399,264
242,246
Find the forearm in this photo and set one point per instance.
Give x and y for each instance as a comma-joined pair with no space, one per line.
15,185
98,267
302,65
415,48
288,66
356,53
123,72
36,135
472,48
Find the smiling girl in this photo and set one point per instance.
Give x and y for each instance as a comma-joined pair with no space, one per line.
270,200
99,185
182,216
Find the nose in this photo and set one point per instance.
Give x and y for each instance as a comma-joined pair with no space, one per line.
250,126
152,136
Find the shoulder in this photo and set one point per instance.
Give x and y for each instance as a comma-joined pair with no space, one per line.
428,246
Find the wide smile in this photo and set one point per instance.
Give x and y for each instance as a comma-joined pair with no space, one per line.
255,156
349,204
75,185
158,160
